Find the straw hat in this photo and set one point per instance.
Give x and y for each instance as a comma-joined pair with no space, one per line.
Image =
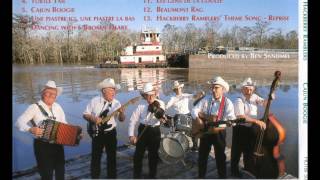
51,84
248,82
177,85
218,80
109,82
148,89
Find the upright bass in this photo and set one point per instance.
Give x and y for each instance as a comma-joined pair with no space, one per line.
267,159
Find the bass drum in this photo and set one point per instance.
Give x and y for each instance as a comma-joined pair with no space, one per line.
173,147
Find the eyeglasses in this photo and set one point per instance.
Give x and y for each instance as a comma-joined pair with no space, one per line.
49,94
248,88
108,90
215,87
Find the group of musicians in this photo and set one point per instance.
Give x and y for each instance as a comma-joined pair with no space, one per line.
149,114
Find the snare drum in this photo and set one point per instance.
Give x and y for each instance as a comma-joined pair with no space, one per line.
183,122
173,147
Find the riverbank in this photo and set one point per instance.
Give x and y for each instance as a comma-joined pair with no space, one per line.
210,61
203,66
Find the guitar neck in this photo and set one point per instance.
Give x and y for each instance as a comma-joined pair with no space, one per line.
107,118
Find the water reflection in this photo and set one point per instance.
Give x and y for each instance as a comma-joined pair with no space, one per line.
79,86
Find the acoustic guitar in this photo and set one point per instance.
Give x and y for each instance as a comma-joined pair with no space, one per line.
210,125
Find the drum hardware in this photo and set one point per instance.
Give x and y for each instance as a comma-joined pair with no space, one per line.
173,147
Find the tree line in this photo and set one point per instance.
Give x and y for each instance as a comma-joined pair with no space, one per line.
81,47
261,35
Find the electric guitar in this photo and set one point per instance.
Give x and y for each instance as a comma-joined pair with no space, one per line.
95,130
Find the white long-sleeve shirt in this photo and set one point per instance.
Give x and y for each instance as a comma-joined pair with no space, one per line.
248,107
142,115
212,108
34,113
98,104
180,104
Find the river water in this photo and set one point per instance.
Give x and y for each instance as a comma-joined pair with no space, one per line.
79,86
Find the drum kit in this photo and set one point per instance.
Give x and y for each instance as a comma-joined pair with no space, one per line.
178,141
175,144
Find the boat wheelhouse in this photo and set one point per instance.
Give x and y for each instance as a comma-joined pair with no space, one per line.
149,51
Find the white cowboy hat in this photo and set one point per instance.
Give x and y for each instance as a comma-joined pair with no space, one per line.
52,84
176,85
148,89
248,82
109,82
218,80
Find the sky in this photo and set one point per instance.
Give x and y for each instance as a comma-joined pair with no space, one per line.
135,8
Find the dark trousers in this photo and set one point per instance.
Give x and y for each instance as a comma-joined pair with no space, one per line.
150,140
49,157
242,142
219,143
108,140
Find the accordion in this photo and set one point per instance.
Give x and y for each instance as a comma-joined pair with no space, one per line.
60,133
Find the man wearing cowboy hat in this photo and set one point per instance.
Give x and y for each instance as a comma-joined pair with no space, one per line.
220,107
148,132
49,157
99,107
180,103
246,107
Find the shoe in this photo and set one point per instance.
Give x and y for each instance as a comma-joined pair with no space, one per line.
195,149
236,174
223,177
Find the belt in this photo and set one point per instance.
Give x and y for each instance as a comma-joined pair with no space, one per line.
44,143
109,131
188,114
153,126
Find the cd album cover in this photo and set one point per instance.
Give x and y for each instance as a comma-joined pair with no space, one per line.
159,89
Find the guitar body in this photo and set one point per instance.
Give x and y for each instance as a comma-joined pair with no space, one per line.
94,130
91,129
200,127
266,166
197,128
269,165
